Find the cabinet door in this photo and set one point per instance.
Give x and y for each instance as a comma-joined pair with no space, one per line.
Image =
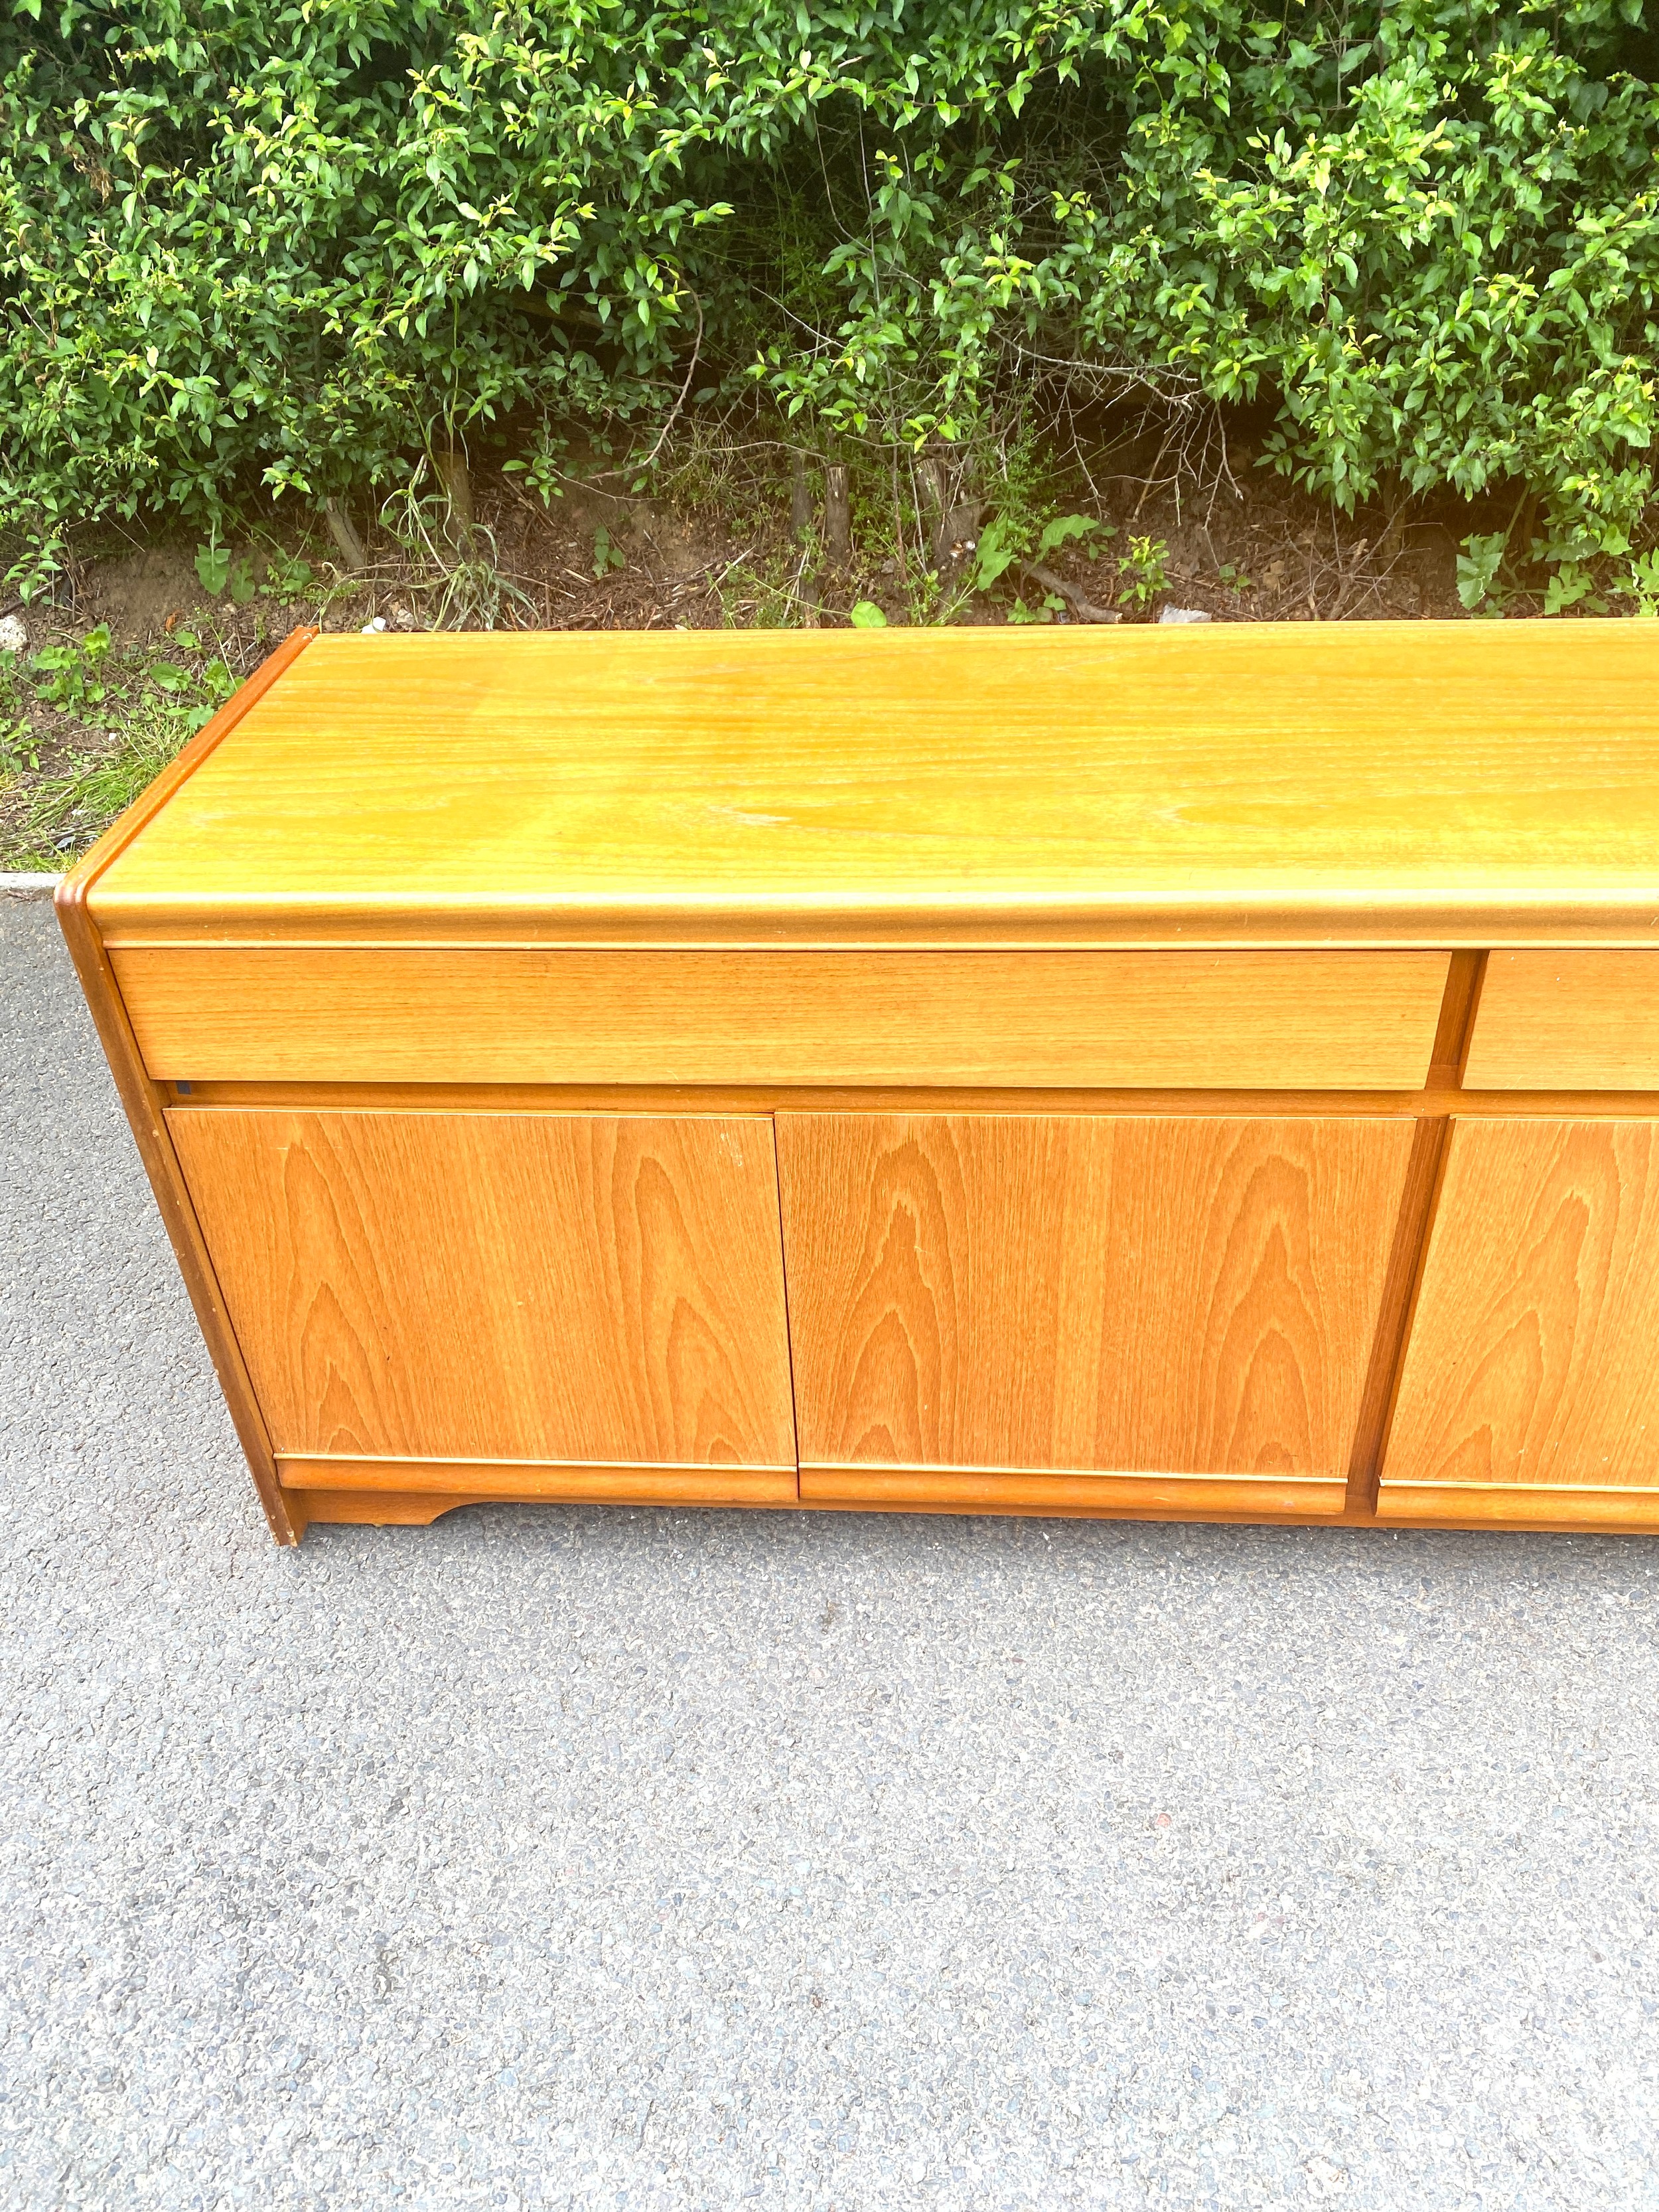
1167,1312
1530,1388
588,1290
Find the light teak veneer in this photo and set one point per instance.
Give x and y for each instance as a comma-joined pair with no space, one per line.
1066,1294
1180,1072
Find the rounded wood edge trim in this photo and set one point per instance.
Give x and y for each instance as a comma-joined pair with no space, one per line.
441,1096
1011,1490
143,1101
1498,1504
74,890
144,1107
1159,928
574,1481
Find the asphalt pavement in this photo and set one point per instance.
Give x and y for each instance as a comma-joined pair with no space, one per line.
567,1857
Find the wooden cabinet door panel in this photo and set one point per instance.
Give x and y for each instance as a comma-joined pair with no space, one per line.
588,1289
1533,1362
1132,1295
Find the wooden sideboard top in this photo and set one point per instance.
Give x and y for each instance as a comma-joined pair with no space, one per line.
1358,783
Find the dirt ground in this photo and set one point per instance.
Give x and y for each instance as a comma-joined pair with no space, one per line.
680,569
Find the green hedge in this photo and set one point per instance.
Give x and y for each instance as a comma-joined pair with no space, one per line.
250,243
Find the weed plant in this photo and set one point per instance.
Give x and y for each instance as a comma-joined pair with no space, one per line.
133,709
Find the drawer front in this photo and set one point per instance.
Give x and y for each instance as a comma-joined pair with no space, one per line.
1567,1021
530,1014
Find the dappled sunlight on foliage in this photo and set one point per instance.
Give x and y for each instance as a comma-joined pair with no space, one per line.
252,250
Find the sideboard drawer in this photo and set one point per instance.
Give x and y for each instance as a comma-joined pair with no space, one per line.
505,1014
1567,1021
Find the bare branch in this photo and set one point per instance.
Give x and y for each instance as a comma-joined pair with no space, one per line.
1084,608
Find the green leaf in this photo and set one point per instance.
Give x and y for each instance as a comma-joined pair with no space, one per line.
607,555
1062,529
1142,571
866,615
1478,565
995,554
19,748
212,568
1570,586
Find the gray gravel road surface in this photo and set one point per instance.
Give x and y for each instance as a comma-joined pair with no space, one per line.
567,1857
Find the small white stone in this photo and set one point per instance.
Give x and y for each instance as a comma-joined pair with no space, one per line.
13,634
1183,615
372,629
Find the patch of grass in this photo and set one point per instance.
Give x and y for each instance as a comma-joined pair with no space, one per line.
763,591
66,813
148,705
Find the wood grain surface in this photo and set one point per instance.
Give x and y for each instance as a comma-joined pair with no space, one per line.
1518,1505
577,1288
374,1508
529,1014
1134,1295
640,1484
1245,1497
1531,1358
1454,782
1584,1020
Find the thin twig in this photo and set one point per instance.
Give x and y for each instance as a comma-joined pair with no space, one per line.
673,412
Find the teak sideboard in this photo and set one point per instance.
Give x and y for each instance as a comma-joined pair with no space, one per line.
1200,1073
